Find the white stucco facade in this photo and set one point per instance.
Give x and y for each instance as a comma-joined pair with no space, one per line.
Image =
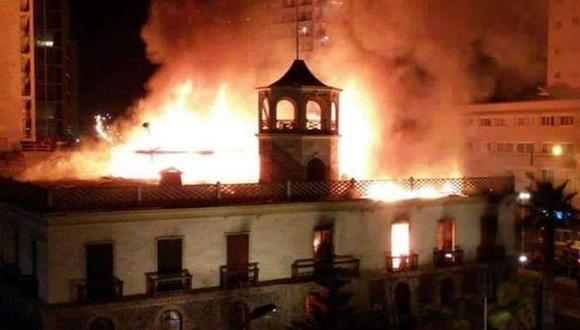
279,234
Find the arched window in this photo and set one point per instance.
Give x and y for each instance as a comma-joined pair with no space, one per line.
102,323
313,116
334,117
170,320
285,115
265,113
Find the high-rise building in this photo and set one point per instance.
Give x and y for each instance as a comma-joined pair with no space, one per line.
312,16
36,94
563,48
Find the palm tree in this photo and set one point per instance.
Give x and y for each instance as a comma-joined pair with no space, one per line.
551,207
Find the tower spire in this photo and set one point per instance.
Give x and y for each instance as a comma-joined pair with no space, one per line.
297,31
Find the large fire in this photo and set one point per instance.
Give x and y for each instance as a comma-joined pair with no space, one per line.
220,145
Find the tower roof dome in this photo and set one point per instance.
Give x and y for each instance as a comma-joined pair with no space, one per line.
299,75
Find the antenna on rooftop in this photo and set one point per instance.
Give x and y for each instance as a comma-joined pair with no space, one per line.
297,31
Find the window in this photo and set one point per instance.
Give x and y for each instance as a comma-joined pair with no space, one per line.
563,235
313,116
446,235
502,122
548,120
547,175
171,320
400,242
525,147
567,120
169,255
334,117
505,147
285,115
523,121
485,122
323,244
265,113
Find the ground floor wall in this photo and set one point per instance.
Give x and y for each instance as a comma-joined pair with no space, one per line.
375,301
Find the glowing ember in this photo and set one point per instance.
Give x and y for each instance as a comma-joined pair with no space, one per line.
102,129
400,244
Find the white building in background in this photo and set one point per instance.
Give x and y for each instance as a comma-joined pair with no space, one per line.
537,136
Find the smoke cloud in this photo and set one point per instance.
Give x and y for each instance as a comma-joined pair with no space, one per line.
405,66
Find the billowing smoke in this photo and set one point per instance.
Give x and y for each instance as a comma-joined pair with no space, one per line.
405,66
413,60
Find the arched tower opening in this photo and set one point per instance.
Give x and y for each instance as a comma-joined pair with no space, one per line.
299,117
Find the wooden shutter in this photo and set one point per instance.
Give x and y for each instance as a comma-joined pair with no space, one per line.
99,262
446,235
169,255
238,251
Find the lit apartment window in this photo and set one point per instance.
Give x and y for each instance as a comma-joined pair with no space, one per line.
525,147
485,122
548,120
567,120
499,122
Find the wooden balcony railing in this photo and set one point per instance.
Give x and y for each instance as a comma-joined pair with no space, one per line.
166,282
305,269
230,278
442,258
99,290
490,254
404,263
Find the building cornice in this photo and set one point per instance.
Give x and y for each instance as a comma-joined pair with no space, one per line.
140,215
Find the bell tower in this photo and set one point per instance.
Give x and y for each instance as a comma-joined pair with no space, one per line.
299,131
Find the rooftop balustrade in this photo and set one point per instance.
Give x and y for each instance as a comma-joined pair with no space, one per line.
91,195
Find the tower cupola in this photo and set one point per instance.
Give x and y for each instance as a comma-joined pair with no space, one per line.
298,127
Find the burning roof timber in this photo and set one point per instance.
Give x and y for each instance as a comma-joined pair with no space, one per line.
131,194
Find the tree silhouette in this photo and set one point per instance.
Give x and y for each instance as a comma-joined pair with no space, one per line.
551,207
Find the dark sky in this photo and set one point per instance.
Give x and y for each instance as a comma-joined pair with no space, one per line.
112,67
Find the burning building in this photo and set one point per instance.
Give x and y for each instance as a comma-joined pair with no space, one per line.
137,255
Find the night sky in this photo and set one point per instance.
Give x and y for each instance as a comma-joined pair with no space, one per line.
112,67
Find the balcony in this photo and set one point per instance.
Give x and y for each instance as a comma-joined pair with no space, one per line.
105,290
490,254
443,258
404,263
167,282
231,278
305,269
